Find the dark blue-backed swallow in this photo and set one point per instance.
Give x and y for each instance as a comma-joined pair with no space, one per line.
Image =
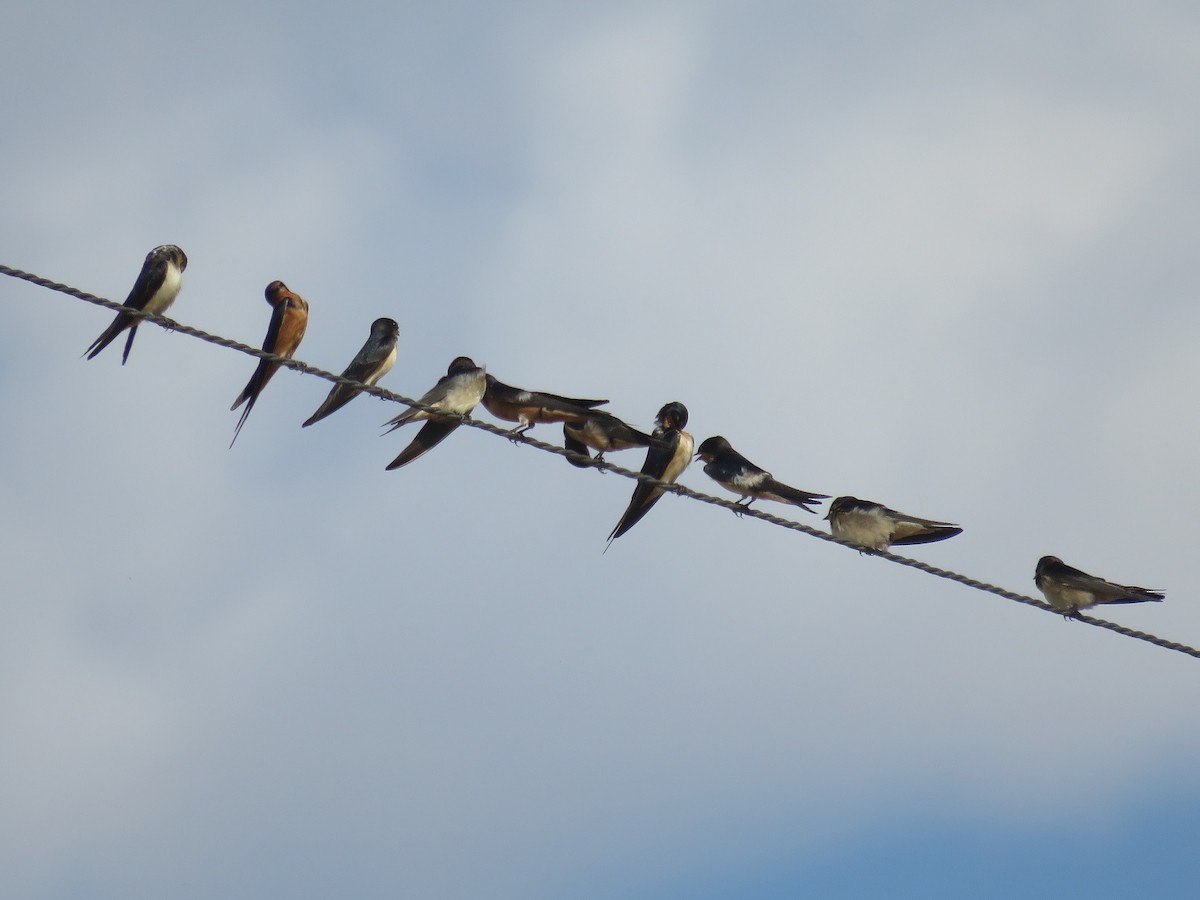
1069,590
527,408
731,470
289,319
669,454
456,393
873,526
154,291
371,363
601,432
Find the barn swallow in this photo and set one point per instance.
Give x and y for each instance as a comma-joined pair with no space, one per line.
1069,590
527,408
873,526
457,393
289,319
669,454
731,470
602,432
154,291
371,363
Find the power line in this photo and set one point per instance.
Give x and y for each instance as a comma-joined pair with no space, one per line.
603,464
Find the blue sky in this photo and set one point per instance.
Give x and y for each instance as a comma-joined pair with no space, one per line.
1144,851
933,255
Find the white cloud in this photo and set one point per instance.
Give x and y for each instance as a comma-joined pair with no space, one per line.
279,670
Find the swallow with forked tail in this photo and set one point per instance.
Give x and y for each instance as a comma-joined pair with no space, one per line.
371,363
289,319
527,408
154,291
454,396
873,526
731,470
601,432
669,454
1069,590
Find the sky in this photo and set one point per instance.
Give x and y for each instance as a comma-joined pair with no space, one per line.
941,256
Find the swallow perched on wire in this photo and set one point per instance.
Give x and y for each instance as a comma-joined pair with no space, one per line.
371,363
455,395
731,470
601,432
154,291
669,454
873,526
289,319
1069,590
527,408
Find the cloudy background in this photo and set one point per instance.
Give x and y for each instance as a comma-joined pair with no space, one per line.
936,256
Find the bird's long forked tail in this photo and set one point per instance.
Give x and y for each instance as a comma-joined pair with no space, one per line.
119,324
432,433
794,496
924,532
1138,595
242,419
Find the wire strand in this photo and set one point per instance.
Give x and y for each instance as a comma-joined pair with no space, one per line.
601,464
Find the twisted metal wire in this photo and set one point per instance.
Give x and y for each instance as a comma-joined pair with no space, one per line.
601,464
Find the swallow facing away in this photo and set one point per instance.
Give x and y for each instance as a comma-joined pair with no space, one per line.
289,319
154,291
731,470
456,393
873,527
527,408
1069,590
371,363
669,454
602,432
